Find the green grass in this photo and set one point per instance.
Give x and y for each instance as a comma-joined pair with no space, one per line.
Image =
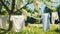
37,30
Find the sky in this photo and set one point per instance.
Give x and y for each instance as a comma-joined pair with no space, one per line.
31,6
42,7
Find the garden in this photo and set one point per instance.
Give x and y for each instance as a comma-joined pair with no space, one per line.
29,16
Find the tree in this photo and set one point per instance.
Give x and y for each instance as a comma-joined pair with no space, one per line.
12,12
58,10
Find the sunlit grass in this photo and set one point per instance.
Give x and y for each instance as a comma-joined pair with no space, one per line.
37,30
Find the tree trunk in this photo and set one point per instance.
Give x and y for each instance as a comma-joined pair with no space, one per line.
59,15
10,13
58,10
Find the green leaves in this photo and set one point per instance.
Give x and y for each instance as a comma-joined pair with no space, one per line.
36,4
48,0
30,1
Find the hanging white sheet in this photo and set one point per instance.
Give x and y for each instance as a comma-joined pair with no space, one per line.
18,22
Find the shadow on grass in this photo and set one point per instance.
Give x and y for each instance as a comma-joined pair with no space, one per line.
57,30
4,31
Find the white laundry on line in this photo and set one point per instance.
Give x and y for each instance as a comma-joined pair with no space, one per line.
3,21
46,21
18,22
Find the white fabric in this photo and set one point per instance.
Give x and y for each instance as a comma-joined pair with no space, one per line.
54,17
46,21
18,22
3,21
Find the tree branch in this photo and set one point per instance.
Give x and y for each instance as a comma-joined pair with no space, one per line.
5,6
12,7
22,7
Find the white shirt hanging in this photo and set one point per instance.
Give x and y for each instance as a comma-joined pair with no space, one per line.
18,22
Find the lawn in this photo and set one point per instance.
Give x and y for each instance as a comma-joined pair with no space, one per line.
37,30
